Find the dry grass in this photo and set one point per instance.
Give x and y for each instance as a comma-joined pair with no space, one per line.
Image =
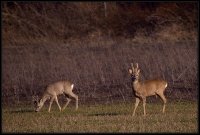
180,117
98,69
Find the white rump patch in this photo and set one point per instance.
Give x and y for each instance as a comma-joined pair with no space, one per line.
166,85
72,86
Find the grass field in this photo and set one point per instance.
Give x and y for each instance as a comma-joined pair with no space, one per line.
180,117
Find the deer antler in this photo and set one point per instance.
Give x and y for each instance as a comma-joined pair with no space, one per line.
132,67
136,67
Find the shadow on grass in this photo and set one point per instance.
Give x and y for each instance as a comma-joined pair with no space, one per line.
22,111
104,114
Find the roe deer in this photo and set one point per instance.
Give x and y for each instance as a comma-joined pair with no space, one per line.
146,88
52,91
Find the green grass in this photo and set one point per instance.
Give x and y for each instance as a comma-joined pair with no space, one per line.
179,117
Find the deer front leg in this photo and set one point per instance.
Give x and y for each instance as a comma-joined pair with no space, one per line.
137,101
144,105
57,103
51,101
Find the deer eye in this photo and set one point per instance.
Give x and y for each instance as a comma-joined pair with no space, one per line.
35,102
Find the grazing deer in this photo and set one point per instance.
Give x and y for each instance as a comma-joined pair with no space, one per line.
52,91
146,88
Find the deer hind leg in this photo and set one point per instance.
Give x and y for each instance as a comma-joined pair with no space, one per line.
75,97
51,101
137,101
68,100
162,96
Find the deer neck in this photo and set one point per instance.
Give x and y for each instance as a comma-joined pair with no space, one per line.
45,97
136,85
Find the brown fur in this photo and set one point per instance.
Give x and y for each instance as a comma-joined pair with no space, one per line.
55,89
146,88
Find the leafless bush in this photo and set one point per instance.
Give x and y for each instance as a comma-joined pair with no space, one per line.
95,65
24,22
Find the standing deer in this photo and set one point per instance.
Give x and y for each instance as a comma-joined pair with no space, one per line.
52,91
146,88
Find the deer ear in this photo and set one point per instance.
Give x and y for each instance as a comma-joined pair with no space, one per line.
35,98
130,71
41,100
132,67
131,64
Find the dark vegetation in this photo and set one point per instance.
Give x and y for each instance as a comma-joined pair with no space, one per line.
93,43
